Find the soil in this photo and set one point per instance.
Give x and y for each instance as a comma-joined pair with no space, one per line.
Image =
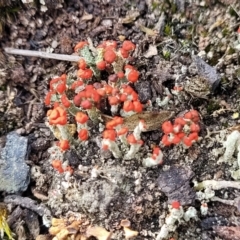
103,191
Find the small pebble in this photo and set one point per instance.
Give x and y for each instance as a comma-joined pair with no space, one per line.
107,23
54,44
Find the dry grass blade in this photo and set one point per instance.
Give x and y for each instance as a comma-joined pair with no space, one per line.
153,119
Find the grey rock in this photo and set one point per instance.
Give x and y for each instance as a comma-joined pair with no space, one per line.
210,222
207,71
107,23
72,157
14,172
175,184
144,91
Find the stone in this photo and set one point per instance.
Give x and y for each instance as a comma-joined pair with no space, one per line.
208,72
175,183
144,91
14,172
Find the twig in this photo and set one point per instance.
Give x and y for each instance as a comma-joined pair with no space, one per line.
235,202
216,185
28,203
30,53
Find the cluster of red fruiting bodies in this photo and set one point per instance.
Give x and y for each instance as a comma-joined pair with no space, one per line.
81,95
184,130
88,94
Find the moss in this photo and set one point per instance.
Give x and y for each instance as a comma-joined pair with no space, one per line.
204,33
167,30
155,5
231,51
225,32
225,125
212,106
166,54
173,8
